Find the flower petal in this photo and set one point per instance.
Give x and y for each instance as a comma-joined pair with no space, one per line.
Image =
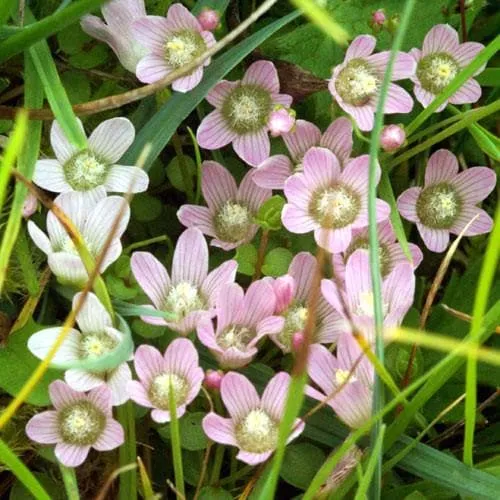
263,74
321,367
253,148
355,174
398,100
219,429
188,82
190,262
93,316
49,175
151,32
302,269
275,394
442,166
179,18
62,395
224,274
217,184
117,381
273,172
441,38
469,92
82,380
407,203
44,428
152,68
475,184
124,179
196,216
238,395
219,92
305,135
39,238
112,436
338,138
112,138
63,149
363,115
404,64
148,363
361,46
466,52
481,225
252,194
71,455
152,277
333,240
68,268
321,168
258,303
181,358
297,220
436,240
229,305
139,394
423,96
213,132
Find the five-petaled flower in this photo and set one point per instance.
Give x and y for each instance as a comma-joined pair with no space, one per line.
447,202
242,113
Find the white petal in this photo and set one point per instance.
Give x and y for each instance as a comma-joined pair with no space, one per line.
49,175
124,179
112,138
41,342
93,317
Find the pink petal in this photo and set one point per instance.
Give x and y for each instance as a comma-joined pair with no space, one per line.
219,92
263,74
206,335
398,100
407,203
436,240
179,18
441,38
361,46
297,191
275,395
44,428
321,168
259,302
181,358
220,276
363,115
333,240
273,172
282,99
218,429
333,295
217,184
338,138
267,326
357,277
475,184
321,367
383,210
112,138
251,458
398,289
252,194
62,395
188,82
353,404
49,175
117,381
466,52
355,174
163,416
196,216
283,288
229,305
302,269
190,262
139,394
238,395
151,32
469,92
151,276
442,166
253,148
404,65
481,225
148,363
100,397
112,436
213,132
425,98
305,135
71,455
152,68
297,220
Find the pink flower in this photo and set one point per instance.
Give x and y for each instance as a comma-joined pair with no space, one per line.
281,121
355,84
191,293
392,138
254,422
117,31
242,320
75,170
390,251
30,205
97,338
178,370
292,295
355,302
209,19
447,202
442,57
230,212
352,379
378,17
94,215
330,201
242,113
79,422
273,172
172,42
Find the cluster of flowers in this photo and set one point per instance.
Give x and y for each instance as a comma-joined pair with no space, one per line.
326,190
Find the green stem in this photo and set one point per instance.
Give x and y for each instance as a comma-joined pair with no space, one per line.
188,186
128,452
70,482
219,457
432,128
25,259
175,439
145,243
244,471
197,155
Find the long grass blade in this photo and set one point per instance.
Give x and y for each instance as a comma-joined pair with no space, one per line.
128,453
6,7
175,440
70,482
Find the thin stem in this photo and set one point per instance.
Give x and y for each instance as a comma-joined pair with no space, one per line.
219,457
197,155
70,482
264,240
188,185
145,243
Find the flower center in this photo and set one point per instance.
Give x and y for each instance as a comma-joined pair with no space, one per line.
436,71
183,299
257,432
344,377
295,321
335,207
247,108
366,303
357,82
159,390
95,345
81,423
183,47
85,171
438,206
383,252
233,222
235,336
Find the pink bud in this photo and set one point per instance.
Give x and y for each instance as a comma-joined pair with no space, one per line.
392,138
213,379
283,290
297,341
378,17
30,205
209,19
281,121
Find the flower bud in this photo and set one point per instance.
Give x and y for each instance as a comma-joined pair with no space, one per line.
30,205
213,379
392,138
281,121
378,17
209,19
297,341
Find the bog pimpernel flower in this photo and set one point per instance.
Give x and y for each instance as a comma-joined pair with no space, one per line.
242,320
94,215
273,172
117,30
231,209
177,370
329,201
172,42
78,422
347,376
254,422
355,84
292,294
96,338
447,202
83,170
442,57
190,293
398,289
242,113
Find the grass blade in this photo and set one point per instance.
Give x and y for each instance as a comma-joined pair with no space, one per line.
6,7
70,482
128,453
175,440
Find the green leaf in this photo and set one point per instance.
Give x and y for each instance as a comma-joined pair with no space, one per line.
77,86
488,142
146,330
192,436
174,174
300,464
490,77
246,257
145,208
213,493
119,289
6,7
277,261
72,39
160,128
269,214
18,364
88,59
